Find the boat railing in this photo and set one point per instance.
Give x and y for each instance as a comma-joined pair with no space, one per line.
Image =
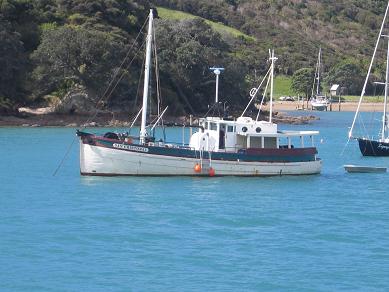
169,145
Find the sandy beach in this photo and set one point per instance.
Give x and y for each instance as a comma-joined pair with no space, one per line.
344,106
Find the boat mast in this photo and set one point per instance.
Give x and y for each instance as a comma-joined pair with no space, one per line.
384,119
350,133
314,82
273,59
318,73
146,80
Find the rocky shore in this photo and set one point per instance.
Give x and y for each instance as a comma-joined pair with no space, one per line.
44,117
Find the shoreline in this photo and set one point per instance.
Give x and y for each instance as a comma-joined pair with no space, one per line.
41,118
348,106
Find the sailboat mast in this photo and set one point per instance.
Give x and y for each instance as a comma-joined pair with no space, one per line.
350,133
318,73
146,80
384,124
273,59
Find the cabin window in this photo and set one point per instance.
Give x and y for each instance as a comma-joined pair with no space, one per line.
230,129
213,126
270,142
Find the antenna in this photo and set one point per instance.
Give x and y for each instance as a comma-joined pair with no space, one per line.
217,71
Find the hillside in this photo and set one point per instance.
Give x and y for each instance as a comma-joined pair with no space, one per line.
297,28
38,67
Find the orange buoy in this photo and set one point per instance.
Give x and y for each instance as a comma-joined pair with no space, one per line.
211,172
197,168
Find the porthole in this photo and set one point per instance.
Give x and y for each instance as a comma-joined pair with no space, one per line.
258,130
244,129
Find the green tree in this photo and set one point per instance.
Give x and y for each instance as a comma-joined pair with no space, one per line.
302,81
347,74
88,58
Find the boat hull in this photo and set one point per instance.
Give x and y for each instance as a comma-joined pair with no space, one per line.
373,148
319,106
364,169
99,160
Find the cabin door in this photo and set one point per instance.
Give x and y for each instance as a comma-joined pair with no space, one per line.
230,138
222,136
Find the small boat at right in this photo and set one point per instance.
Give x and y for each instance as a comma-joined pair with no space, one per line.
370,145
363,169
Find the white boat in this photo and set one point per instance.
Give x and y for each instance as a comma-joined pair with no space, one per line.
319,101
364,169
240,147
369,145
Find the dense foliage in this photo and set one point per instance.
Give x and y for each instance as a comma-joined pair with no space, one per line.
195,47
11,62
81,56
50,46
348,75
297,28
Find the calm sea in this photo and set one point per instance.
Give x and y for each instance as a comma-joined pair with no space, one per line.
70,233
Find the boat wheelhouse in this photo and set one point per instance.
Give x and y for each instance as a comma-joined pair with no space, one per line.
246,133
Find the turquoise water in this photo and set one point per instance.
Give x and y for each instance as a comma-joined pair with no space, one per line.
70,233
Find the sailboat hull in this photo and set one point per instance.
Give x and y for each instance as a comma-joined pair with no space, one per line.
103,160
320,105
373,148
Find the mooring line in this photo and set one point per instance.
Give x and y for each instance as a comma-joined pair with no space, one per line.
345,146
65,156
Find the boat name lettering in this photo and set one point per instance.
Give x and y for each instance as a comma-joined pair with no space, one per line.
130,147
383,147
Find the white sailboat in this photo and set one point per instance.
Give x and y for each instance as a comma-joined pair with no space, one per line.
241,147
369,145
319,101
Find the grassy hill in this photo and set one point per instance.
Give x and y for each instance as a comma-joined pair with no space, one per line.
282,86
166,13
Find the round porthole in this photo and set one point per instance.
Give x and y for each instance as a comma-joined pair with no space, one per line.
244,129
258,130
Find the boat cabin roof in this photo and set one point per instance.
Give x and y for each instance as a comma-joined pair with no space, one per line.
282,134
246,126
